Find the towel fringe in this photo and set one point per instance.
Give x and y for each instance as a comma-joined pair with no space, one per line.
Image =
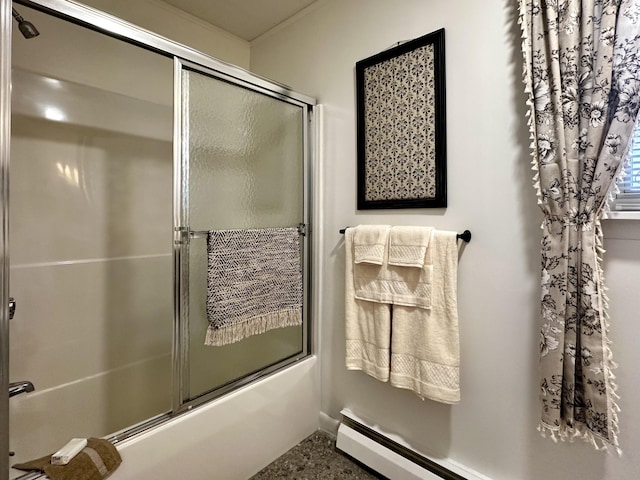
252,326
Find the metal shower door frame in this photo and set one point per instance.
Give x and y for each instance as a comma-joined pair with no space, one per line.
5,150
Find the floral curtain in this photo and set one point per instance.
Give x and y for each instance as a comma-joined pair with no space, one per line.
582,76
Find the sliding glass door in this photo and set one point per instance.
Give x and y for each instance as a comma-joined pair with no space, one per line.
242,165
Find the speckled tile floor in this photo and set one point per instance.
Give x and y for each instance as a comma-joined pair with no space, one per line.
315,458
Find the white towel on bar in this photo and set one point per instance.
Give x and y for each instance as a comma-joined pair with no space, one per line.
408,246
425,350
369,243
367,325
391,284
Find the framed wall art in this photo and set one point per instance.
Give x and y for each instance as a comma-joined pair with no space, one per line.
401,126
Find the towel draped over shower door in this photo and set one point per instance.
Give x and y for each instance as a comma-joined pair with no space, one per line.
254,283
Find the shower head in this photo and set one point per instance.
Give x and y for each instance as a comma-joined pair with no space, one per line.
27,29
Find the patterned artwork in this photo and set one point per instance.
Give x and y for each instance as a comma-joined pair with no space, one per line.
400,148
401,126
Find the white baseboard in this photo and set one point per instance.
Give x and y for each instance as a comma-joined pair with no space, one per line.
328,424
378,457
392,457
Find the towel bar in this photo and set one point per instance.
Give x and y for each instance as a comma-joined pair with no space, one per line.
465,236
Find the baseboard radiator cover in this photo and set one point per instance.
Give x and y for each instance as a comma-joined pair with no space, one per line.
392,459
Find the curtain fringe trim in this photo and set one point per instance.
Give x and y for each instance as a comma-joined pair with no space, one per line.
608,364
218,337
527,79
565,432
580,432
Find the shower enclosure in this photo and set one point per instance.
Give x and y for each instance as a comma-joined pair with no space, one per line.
125,149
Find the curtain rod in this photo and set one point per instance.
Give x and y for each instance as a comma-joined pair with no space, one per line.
465,236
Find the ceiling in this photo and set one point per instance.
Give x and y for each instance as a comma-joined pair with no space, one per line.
248,19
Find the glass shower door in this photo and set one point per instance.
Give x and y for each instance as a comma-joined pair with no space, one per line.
242,167
90,235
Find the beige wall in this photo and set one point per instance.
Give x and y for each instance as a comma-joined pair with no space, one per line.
169,22
493,429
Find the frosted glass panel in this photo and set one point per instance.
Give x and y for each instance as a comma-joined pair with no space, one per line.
245,157
245,170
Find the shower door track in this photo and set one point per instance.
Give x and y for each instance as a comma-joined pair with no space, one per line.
183,57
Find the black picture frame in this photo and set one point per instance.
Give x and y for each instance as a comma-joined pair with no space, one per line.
401,126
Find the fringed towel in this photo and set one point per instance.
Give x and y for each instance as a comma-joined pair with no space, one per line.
96,461
425,350
408,246
254,283
368,325
369,243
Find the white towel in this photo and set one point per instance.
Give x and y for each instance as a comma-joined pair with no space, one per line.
425,350
386,283
368,325
408,245
369,243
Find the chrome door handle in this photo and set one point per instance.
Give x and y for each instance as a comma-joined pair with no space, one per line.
12,307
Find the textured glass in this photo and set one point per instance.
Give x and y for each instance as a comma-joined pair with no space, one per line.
245,170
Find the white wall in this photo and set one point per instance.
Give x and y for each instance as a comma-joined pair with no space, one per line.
493,430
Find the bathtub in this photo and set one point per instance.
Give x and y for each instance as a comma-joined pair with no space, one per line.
233,437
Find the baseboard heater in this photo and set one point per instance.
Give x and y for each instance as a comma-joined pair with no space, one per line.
391,458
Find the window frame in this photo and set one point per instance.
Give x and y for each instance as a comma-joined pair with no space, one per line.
625,205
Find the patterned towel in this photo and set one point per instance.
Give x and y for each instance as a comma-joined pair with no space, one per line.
94,462
254,283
